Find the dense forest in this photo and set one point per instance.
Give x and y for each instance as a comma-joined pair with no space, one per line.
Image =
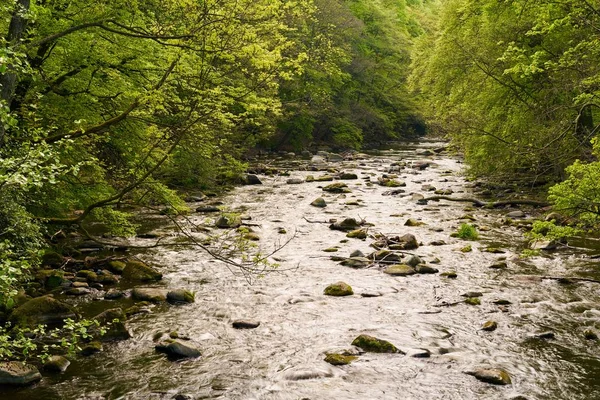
110,105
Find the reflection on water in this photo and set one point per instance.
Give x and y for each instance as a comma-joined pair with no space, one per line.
299,324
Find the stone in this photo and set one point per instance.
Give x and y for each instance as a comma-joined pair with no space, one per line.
348,224
374,345
153,295
78,291
419,353
437,243
42,310
252,236
499,265
50,278
405,242
15,373
252,180
319,202
337,188
545,335
413,222
385,256
357,234
339,359
356,262
413,261
114,294
107,278
228,221
338,289
116,267
502,302
113,321
357,253
137,271
245,324
52,259
426,269
177,350
472,294
489,326
347,176
91,348
331,250
80,285
56,364
208,209
323,178
473,301
494,376
180,296
400,270
294,181
516,214
590,334
89,276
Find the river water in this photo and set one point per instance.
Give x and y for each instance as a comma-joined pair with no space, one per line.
298,324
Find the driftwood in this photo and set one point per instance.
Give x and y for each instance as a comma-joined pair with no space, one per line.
490,204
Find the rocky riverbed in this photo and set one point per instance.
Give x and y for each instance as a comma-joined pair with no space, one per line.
374,296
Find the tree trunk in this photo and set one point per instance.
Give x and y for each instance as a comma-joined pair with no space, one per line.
8,80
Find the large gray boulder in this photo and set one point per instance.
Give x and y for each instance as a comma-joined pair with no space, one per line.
15,373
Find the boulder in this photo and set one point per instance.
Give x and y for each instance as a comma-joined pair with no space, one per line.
337,188
413,261
489,326
180,296
139,272
348,224
50,278
319,202
385,256
153,295
494,376
228,222
15,373
356,262
405,242
113,320
374,345
252,180
52,259
177,350
346,176
400,270
208,209
91,348
42,310
357,234
426,269
294,181
114,294
56,364
338,289
245,324
107,278
116,267
339,359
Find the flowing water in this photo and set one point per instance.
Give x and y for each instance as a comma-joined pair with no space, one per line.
298,324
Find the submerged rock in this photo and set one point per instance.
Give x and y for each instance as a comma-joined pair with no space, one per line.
374,345
252,180
338,289
140,272
177,350
245,324
300,374
15,373
228,222
489,326
494,376
356,262
426,269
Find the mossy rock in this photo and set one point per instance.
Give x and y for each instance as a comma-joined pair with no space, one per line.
339,359
139,272
347,225
374,345
337,188
91,348
116,267
181,296
449,274
400,270
50,278
473,301
113,320
413,222
331,250
494,376
357,234
89,276
153,295
322,178
52,259
347,176
489,326
338,289
42,310
252,236
228,221
319,202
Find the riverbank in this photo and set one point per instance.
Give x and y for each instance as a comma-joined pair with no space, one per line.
421,314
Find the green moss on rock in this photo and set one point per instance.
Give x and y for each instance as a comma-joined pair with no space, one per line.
374,345
42,310
339,359
139,272
339,289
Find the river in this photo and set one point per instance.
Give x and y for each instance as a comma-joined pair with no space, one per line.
298,324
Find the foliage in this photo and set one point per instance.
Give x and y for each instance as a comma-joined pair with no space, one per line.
513,82
40,342
467,232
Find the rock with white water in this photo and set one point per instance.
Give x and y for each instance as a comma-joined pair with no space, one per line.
15,373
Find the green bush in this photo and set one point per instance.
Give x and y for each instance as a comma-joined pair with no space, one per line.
467,232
